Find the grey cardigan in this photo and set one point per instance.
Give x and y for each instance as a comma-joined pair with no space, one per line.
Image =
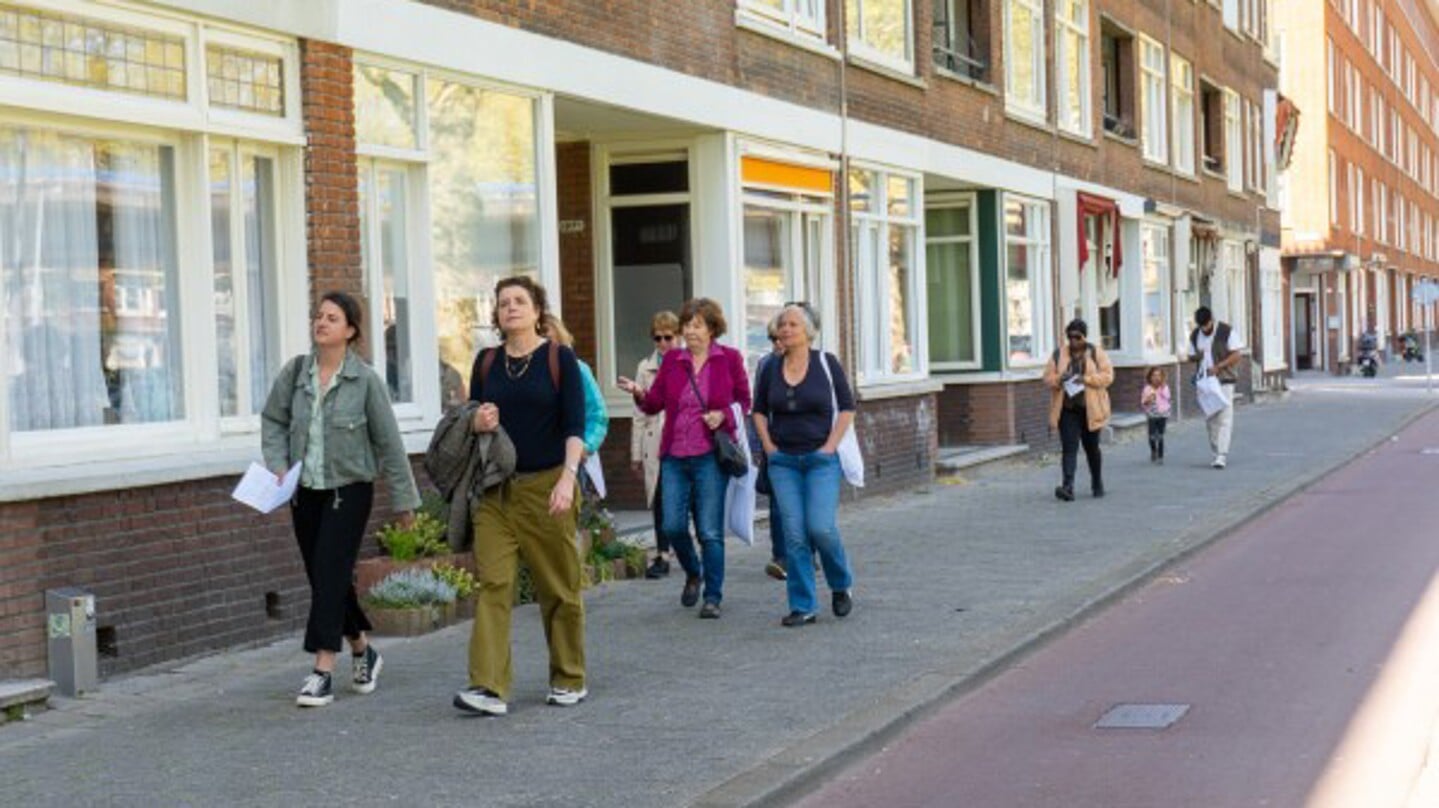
361,435
1219,348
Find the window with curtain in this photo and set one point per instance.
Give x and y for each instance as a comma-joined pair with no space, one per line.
1026,269
243,237
1024,57
882,30
91,280
885,232
1071,65
952,283
484,209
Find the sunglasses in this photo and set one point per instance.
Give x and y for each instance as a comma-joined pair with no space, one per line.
1073,337
663,337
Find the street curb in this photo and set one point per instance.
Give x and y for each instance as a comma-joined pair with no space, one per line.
795,771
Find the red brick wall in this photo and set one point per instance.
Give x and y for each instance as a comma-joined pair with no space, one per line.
899,441
332,204
577,254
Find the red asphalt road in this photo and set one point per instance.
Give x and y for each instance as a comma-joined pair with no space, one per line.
1275,635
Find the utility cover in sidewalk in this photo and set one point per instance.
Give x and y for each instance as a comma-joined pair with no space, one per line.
1141,716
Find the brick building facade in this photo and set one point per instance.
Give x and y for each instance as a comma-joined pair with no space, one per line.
947,195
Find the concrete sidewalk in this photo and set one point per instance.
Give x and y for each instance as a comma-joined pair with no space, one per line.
951,583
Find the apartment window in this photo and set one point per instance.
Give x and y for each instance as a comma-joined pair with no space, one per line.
1255,148
243,236
384,191
961,37
1231,14
1026,280
1211,126
1353,114
1400,214
1331,76
1391,138
952,278
253,82
1153,134
1233,306
1392,65
1116,50
1024,57
884,208
1154,244
882,31
141,266
1381,212
799,17
1181,85
1376,32
1071,65
1352,191
1408,74
1233,140
1333,189
386,110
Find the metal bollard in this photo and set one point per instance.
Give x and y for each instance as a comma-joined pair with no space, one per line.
70,626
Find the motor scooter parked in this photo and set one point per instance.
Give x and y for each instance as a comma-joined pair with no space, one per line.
1368,356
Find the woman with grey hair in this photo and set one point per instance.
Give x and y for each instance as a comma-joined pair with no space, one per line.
802,407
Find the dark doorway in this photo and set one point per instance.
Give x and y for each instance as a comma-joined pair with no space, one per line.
651,253
1304,331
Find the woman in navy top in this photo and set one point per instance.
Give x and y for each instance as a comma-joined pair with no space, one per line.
795,415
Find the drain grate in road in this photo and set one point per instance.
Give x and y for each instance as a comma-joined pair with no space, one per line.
1141,716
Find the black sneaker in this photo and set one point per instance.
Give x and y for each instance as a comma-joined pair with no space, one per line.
657,569
1098,490
316,692
691,593
365,670
842,603
480,701
794,619
710,611
1064,492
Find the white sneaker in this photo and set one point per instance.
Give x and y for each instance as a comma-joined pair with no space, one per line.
566,698
316,692
481,701
1219,461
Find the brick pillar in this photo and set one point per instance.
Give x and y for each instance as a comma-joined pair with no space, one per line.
332,204
577,255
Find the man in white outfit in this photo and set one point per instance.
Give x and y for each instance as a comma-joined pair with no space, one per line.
1210,341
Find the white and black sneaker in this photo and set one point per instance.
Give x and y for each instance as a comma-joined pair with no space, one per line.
316,692
481,701
564,697
365,670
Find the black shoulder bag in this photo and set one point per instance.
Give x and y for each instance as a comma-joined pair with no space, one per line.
728,454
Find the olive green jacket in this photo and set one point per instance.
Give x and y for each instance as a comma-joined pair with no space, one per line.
361,434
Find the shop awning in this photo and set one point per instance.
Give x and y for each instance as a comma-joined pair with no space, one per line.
1091,205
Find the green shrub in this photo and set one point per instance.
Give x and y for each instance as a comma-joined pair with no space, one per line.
424,538
460,578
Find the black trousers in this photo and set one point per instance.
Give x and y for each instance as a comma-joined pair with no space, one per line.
329,525
1156,435
1073,431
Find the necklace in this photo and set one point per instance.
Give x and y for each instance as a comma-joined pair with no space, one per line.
516,369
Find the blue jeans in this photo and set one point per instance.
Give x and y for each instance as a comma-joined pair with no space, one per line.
807,489
696,483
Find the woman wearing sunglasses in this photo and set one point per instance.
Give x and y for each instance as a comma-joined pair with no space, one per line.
1078,376
645,432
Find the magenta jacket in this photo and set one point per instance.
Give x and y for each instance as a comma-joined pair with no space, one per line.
728,383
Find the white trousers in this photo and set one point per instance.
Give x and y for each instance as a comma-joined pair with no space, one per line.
1221,424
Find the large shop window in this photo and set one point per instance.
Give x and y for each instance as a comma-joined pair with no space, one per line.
1154,244
882,31
1024,57
91,281
951,272
885,236
787,232
1026,280
463,158
143,257
243,227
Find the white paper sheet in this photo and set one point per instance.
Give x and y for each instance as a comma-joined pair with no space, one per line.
597,474
1073,386
259,490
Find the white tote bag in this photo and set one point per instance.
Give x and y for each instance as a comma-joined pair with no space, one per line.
739,494
1211,395
851,460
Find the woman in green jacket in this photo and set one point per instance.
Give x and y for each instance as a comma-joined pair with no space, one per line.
329,410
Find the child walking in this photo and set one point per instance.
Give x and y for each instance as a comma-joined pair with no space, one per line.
1154,401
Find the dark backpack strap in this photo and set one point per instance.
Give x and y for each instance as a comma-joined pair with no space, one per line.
487,361
555,364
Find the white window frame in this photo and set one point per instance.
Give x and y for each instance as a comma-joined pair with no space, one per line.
801,19
1033,107
1233,141
423,384
854,21
1181,85
967,201
1152,232
73,460
1040,281
1153,84
871,228
1334,189
1064,31
1357,192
